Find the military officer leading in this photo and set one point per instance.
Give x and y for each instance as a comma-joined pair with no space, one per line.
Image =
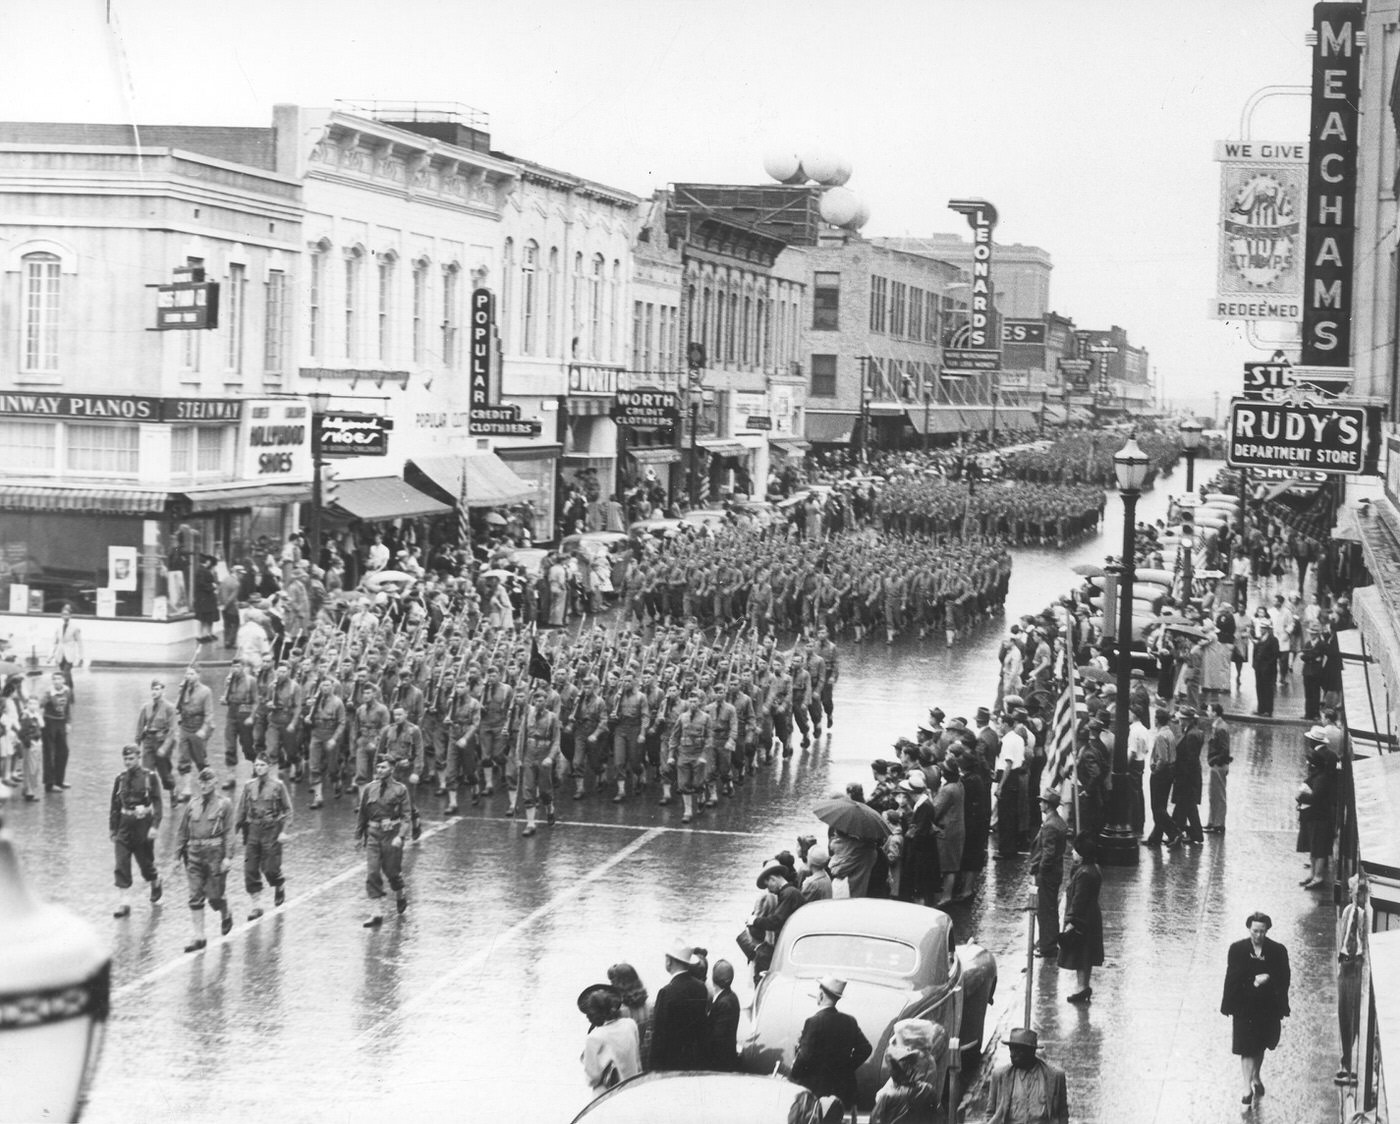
133,822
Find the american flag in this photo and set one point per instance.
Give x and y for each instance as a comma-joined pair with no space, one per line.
1059,755
464,530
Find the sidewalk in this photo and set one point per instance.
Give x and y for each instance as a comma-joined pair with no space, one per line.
1153,1048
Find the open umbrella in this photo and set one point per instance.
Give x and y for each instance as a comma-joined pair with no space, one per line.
1087,570
380,578
1186,630
1094,674
499,574
851,818
495,518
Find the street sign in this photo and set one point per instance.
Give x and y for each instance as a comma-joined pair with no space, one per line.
1265,380
1317,438
187,306
971,359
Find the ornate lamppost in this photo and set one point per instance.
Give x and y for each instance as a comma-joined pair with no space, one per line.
1192,434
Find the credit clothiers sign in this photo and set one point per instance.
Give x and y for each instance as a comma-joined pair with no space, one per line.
1331,212
1317,438
1259,263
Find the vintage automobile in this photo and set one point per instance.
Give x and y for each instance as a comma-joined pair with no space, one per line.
898,961
707,1098
596,542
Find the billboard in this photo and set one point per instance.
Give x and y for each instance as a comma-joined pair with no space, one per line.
1259,261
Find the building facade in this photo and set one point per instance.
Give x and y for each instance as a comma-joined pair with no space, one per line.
127,454
1020,274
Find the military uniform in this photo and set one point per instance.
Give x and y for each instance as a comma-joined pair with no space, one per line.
264,815
155,735
383,809
240,696
135,812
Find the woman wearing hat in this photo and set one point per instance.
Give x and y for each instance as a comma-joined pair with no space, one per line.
1255,996
1081,935
949,822
611,1052
1317,809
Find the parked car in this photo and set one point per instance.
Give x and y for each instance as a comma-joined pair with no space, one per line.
596,542
756,513
713,518
705,1098
656,526
899,962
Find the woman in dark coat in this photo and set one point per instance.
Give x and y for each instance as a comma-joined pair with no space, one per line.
1084,952
1256,997
1317,813
977,819
206,598
948,817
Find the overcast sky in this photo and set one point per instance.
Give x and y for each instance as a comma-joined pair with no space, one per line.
1089,123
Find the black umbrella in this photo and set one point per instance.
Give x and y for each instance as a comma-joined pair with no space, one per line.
852,818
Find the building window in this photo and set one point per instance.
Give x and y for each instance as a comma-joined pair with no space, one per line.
232,315
746,333
930,317
897,308
529,297
826,301
386,308
352,303
275,322
879,293
503,305
189,355
28,446
614,306
916,314
648,336
551,303
576,309
197,450
449,317
823,376
103,450
595,308
638,364
420,307
314,308
42,278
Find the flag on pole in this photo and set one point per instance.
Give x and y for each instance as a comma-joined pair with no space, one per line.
1059,757
539,666
464,530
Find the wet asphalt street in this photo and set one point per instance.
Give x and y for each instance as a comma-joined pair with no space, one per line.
464,1007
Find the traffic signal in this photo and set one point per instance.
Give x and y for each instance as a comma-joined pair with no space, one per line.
695,355
330,485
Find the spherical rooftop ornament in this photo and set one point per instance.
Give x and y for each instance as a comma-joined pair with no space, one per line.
842,173
784,166
840,206
862,215
821,166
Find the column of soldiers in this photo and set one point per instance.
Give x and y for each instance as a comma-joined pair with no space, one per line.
391,713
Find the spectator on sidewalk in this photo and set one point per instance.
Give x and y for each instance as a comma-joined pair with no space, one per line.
1317,811
1255,997
1186,778
1081,936
1218,758
1027,1089
1266,664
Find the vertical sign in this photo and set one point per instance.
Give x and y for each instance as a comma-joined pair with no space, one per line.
1331,221
1259,265
982,217
480,348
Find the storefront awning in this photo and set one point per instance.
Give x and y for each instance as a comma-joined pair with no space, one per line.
385,497
1018,418
665,455
1273,490
20,495
886,409
489,482
830,429
240,497
582,407
1054,414
976,419
936,419
720,448
790,444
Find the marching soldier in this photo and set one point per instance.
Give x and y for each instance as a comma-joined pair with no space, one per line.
205,845
496,701
379,829
460,723
240,697
724,731
194,708
280,708
539,749
689,739
629,718
264,815
371,720
155,734
327,722
133,822
587,727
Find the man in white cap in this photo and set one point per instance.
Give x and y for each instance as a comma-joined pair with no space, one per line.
1027,1089
680,1019
831,1048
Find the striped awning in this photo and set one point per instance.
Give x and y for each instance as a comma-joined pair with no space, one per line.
589,406
384,497
720,448
790,444
32,496
936,419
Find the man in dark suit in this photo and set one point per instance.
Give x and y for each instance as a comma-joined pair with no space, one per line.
1186,779
680,1021
1048,870
1265,662
831,1048
723,1021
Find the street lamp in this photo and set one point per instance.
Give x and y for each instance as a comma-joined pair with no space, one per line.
55,987
864,361
319,400
1192,433
1118,845
1188,557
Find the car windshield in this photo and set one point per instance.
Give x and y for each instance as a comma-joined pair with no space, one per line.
846,950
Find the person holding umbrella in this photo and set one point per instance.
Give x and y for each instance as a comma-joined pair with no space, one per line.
612,1051
857,831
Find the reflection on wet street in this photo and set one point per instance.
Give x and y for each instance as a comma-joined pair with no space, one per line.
463,1008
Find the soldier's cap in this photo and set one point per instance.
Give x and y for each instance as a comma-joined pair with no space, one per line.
130,750
262,758
983,713
157,683
207,774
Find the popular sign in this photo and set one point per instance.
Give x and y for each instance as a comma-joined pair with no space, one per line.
488,419
1259,272
1316,438
1331,213
646,409
344,434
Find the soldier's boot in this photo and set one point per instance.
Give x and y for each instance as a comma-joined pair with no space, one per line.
489,775
452,809
529,828
317,795
256,911
123,908
665,793
950,633
197,923
279,895
711,796
688,804
578,787
621,793
510,804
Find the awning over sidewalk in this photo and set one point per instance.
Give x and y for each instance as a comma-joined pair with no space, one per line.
241,497
790,444
385,497
976,419
721,448
937,419
655,455
830,429
489,480
25,495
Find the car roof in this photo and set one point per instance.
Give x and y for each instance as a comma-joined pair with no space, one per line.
874,917
695,1098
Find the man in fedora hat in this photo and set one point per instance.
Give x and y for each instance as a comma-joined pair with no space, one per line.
1265,660
1027,1089
1048,870
831,1048
680,1019
774,879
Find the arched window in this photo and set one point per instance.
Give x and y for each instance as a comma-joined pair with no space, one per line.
316,300
420,306
551,303
450,278
354,259
42,281
503,305
595,309
614,303
731,327
384,310
747,356
576,308
529,297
